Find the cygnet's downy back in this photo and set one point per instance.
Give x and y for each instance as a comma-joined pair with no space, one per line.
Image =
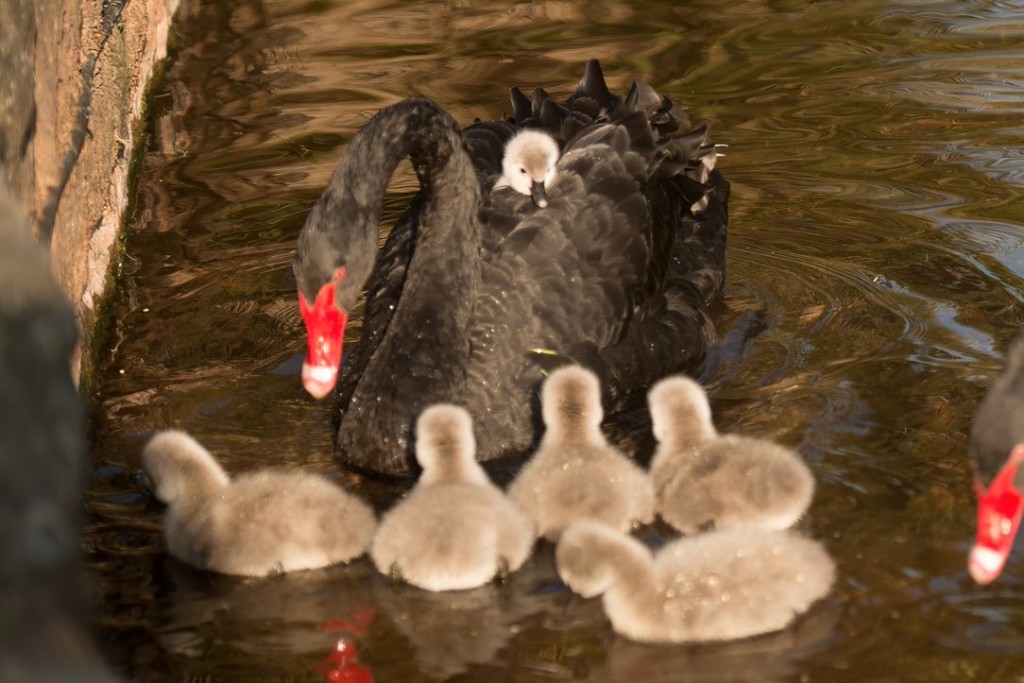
528,166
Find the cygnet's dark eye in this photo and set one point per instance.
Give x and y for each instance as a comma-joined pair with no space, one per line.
523,171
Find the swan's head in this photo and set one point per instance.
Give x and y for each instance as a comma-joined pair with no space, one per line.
325,329
586,557
1000,509
178,467
529,164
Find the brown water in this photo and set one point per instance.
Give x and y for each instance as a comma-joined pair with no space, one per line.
874,281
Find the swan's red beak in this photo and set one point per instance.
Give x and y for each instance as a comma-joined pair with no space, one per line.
999,515
325,328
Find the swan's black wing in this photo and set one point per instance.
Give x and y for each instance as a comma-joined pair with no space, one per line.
564,274
668,328
671,330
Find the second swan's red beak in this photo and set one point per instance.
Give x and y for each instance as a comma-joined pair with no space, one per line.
325,328
999,515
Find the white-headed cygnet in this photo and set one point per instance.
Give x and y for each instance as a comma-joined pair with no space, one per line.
576,474
704,479
456,529
722,585
528,166
259,523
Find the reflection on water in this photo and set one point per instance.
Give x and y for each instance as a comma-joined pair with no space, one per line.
875,265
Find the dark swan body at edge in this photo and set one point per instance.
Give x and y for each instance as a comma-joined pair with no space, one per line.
478,292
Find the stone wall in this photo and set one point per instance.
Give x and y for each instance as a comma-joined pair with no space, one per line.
73,75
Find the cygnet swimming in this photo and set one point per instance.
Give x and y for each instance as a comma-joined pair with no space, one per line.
717,586
259,523
455,530
703,479
576,474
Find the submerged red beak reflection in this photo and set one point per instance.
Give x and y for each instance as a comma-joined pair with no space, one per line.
999,515
325,328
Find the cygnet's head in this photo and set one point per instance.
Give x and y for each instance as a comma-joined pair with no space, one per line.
679,406
529,164
177,466
588,554
445,445
571,397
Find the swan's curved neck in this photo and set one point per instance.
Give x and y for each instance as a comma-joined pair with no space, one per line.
421,357
342,227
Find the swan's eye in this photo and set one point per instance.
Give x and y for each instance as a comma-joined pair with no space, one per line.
523,171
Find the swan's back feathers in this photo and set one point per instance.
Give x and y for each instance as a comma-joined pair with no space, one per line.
569,272
592,96
522,107
486,141
678,235
666,116
585,254
672,322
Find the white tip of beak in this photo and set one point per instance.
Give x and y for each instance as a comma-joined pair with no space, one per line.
318,380
984,565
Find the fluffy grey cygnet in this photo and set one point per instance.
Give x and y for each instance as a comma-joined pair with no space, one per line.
718,586
456,529
528,166
259,523
705,479
576,474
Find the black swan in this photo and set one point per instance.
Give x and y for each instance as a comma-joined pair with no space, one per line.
576,474
723,585
456,530
476,294
266,522
997,451
705,478
529,164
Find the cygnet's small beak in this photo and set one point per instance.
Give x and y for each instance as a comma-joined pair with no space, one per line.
540,196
